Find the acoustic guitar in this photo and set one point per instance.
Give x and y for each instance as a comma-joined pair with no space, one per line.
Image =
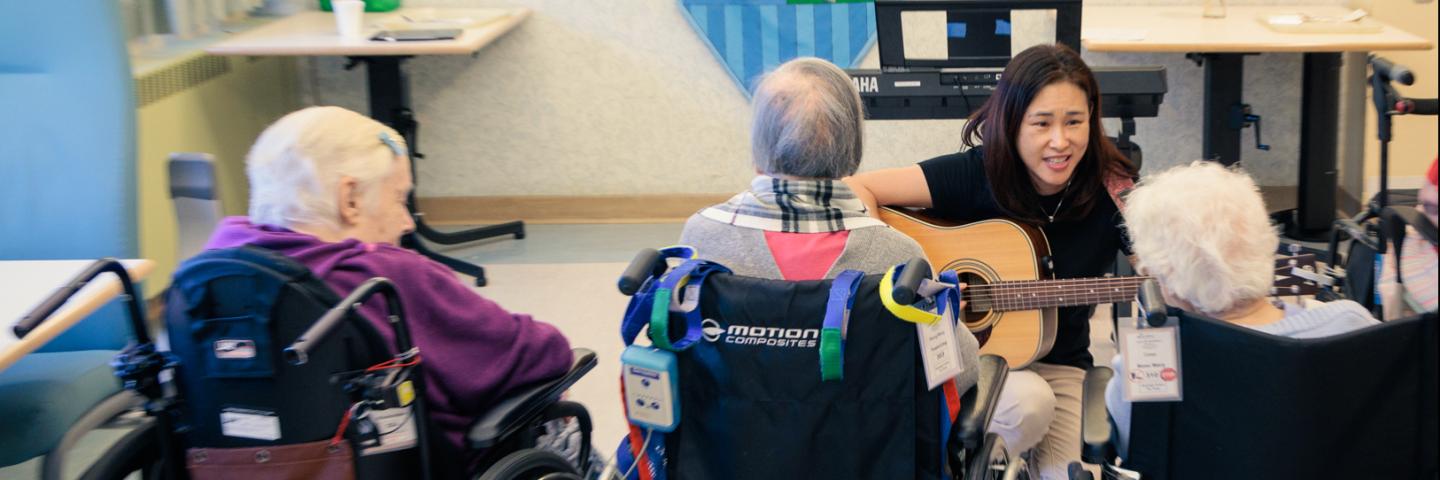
1010,293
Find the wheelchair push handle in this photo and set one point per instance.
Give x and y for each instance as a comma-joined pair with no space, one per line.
35,317
299,352
647,264
907,286
1152,303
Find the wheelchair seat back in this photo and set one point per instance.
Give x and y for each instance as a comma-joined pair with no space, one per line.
754,404
1355,405
229,315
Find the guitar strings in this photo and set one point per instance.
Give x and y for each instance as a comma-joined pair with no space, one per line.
1014,293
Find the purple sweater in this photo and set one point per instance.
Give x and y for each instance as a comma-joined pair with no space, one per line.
475,352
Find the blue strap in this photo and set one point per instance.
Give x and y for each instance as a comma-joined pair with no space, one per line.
637,313
690,274
837,319
949,297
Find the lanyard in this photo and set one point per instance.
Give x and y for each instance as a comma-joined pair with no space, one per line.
950,296
690,274
837,321
640,304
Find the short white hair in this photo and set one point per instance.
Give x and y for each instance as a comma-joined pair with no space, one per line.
1203,231
296,165
809,121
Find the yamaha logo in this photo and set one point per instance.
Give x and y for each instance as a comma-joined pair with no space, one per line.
866,84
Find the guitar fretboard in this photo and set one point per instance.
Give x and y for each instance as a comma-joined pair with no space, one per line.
1034,295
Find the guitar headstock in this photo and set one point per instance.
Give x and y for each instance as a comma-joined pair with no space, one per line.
1299,275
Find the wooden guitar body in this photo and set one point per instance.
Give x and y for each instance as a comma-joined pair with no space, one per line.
988,252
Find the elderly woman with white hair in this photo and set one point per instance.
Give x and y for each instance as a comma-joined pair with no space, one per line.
1202,231
798,221
328,188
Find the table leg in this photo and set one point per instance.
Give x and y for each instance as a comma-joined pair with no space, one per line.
1224,86
1319,125
389,92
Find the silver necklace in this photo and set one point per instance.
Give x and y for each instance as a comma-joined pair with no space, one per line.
1051,215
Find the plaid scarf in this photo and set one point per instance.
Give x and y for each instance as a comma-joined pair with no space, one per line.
794,206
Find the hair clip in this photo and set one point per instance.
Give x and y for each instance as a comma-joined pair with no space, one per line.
390,142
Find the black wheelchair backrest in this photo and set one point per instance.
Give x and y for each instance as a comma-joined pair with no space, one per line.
229,313
1356,405
754,404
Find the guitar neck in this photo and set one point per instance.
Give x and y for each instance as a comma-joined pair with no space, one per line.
1038,294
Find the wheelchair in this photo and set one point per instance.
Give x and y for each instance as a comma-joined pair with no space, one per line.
257,387
1356,405
761,399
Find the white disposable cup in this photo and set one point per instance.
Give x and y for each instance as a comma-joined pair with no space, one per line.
349,17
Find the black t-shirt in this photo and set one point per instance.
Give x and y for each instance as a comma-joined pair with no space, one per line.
1086,247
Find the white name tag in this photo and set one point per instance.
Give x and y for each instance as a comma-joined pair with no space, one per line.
246,423
938,349
1152,364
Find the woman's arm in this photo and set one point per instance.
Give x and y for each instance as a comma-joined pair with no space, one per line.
902,187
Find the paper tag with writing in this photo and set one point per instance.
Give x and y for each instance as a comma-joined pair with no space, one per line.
396,427
939,350
1152,364
248,423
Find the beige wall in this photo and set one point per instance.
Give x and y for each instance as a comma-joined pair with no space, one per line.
622,98
1413,145
220,116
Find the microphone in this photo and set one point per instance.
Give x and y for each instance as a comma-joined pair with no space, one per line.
1392,71
1416,106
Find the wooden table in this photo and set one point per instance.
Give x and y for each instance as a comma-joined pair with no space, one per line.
1220,44
26,283
314,34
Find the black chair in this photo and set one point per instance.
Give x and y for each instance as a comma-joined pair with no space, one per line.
1357,405
255,372
754,410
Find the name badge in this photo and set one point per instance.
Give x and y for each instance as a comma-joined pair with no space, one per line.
938,349
1152,364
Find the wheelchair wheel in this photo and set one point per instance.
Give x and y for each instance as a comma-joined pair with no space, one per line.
136,452
532,464
991,460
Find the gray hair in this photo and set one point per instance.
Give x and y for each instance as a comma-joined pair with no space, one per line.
1203,231
297,163
808,121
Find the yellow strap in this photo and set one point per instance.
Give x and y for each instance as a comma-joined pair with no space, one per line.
904,312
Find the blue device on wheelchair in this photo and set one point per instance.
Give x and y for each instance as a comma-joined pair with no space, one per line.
651,394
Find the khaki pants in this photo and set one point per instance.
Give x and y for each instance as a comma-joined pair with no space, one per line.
1040,408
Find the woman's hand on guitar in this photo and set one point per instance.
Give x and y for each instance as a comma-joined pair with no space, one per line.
961,287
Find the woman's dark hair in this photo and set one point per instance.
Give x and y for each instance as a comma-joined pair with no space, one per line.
997,123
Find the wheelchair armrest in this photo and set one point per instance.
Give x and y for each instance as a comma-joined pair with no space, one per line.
1095,429
516,411
977,405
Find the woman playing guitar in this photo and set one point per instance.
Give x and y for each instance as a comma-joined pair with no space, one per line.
1038,154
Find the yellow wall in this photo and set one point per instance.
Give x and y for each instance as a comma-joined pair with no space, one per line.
221,116
1413,145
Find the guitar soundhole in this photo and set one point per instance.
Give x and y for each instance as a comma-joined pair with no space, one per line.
978,306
